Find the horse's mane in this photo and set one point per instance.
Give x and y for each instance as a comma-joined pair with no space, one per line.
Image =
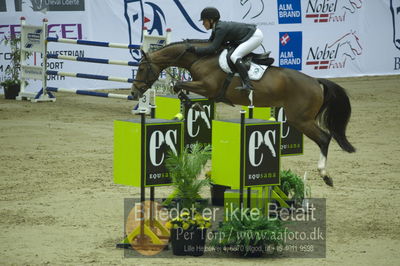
186,41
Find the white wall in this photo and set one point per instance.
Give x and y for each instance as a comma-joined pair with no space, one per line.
356,39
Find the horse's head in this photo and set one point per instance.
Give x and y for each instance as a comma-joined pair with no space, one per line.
349,45
354,42
146,75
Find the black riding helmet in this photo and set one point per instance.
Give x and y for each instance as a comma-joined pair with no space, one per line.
209,13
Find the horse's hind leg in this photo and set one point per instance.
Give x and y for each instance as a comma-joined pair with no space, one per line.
314,132
323,157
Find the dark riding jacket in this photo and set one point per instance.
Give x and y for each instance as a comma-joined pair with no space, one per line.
224,32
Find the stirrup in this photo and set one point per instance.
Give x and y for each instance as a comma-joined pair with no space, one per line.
245,87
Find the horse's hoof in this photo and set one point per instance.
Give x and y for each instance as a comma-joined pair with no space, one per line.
177,87
198,107
328,180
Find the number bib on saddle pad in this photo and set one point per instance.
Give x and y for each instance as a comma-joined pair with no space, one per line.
255,72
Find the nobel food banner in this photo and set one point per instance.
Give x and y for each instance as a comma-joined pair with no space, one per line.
322,38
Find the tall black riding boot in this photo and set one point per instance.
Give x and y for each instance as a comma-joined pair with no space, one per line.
241,68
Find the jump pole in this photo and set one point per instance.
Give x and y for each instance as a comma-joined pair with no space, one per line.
94,43
93,60
40,73
144,102
91,93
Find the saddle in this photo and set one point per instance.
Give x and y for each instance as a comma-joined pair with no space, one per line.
256,65
258,59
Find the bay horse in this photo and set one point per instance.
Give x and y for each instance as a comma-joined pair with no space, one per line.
319,108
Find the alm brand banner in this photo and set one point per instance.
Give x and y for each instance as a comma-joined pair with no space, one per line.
289,11
322,38
290,49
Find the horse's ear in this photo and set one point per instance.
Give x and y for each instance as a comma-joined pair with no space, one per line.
144,55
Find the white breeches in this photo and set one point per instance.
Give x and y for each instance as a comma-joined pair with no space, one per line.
248,46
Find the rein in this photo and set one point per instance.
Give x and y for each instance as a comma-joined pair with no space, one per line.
150,72
174,79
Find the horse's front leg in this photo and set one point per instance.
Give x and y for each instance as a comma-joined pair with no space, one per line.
192,86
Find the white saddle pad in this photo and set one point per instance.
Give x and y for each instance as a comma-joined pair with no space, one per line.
255,72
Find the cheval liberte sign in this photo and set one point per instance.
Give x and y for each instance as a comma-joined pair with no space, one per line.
322,38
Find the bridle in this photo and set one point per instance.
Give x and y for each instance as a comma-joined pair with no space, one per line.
151,76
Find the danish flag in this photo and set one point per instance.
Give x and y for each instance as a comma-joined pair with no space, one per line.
318,17
285,39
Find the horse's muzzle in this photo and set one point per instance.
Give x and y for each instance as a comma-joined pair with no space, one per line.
136,92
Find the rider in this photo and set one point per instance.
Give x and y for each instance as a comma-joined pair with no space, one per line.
246,37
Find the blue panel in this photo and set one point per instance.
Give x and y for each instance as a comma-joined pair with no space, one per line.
289,11
290,49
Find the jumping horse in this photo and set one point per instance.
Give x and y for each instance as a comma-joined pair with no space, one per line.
317,107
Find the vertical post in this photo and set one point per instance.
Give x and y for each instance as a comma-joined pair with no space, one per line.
263,207
269,199
28,71
251,112
146,100
151,206
22,59
44,53
152,189
249,197
142,172
168,78
152,111
168,35
144,34
242,123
